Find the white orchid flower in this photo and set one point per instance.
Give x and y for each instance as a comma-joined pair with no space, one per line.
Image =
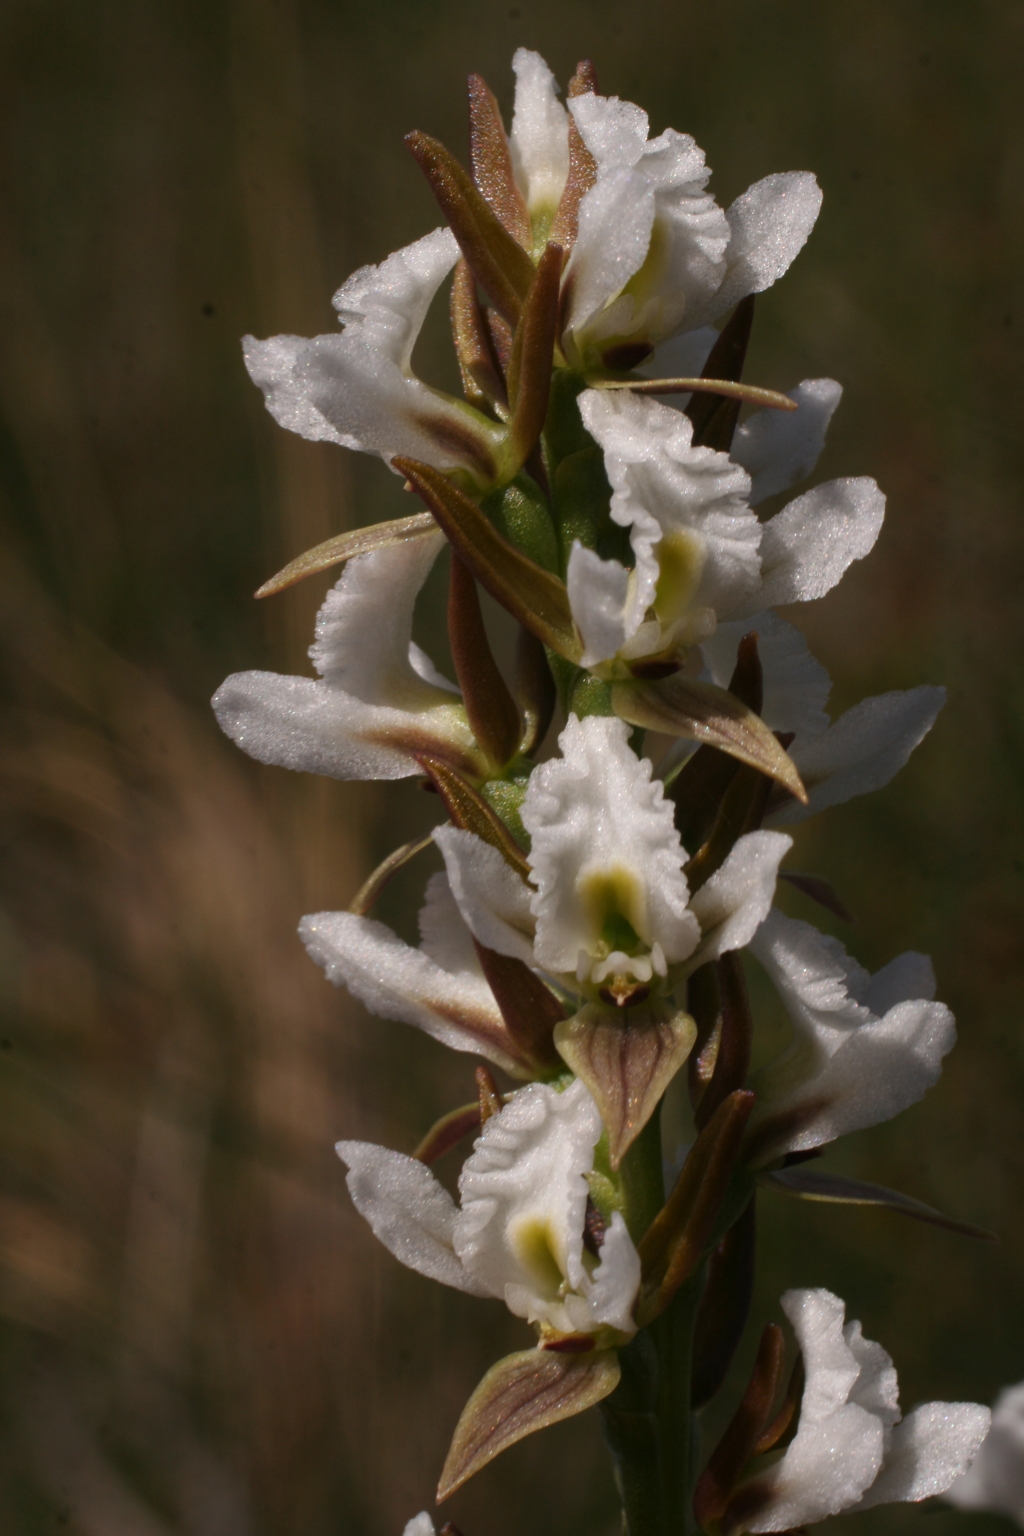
854,755
610,914
701,555
378,700
654,251
864,1047
995,1480
520,1231
357,388
852,1448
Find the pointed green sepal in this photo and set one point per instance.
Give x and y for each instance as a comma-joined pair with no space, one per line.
837,1189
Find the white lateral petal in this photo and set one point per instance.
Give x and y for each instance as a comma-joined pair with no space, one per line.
731,906
847,1068
838,1447
539,139
410,1212
420,1525
796,685
615,220
613,1286
398,982
599,592
493,900
603,833
524,1198
876,1387
694,536
780,448
932,1446
444,937
863,750
769,225
995,1479
806,547
274,366
614,131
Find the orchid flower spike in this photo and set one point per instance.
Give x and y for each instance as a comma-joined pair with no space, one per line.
852,1448
995,1480
378,701
864,1047
520,1232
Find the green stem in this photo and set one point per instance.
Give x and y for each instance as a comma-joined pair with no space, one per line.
672,1334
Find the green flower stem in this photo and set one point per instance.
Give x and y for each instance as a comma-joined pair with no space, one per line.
648,1421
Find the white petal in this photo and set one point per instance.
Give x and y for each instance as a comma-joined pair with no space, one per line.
410,1212
996,1478
614,131
357,388
779,448
493,900
796,686
599,599
539,140
615,221
731,906
683,505
863,750
876,1388
838,1446
420,1525
373,710
932,1446
596,820
524,1198
444,937
847,1067
682,356
613,1286
769,225
398,982
806,547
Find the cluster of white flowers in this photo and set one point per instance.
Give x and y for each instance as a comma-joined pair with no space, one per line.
566,938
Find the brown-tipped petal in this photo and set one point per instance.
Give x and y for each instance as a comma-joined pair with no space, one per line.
447,1133
370,890
808,1184
749,394
535,690
673,1244
470,811
482,379
778,1427
531,1011
582,176
714,417
344,546
820,890
529,368
734,1450
488,1092
724,1306
584,80
492,163
736,1031
522,1393
499,262
685,706
532,595
490,708
627,1059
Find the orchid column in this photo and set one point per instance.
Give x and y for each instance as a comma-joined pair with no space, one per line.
584,935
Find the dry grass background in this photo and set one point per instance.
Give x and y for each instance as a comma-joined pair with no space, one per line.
196,1334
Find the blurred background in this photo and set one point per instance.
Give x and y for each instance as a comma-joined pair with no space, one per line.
197,1334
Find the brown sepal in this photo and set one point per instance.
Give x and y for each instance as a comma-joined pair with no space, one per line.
531,1011
820,890
371,888
529,367
470,811
582,176
735,1037
489,1094
344,546
724,1306
522,1393
498,261
714,417
447,1133
535,690
673,1244
731,1454
482,380
491,161
627,1059
490,708
698,787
